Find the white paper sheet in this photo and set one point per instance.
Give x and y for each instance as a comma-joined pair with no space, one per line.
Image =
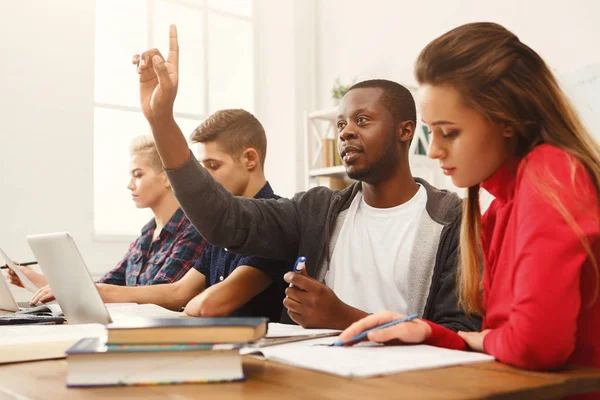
27,334
24,280
367,359
126,311
284,330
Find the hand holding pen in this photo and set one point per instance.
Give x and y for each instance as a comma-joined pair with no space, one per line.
385,326
311,304
36,278
363,335
300,267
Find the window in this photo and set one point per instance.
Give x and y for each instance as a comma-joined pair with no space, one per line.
216,66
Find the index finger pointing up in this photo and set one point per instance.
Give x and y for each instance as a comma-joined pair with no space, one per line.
173,46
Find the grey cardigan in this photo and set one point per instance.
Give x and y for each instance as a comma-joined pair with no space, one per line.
309,223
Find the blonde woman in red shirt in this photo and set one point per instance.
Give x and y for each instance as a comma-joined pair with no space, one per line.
499,120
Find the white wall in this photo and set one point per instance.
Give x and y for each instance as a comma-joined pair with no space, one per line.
285,56
275,101
46,127
382,38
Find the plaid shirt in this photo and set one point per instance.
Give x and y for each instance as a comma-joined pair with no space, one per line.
164,260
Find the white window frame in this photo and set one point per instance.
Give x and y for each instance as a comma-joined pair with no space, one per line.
198,5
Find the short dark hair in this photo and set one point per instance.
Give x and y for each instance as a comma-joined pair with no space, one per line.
395,98
235,130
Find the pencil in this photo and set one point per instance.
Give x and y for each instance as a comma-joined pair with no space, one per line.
17,264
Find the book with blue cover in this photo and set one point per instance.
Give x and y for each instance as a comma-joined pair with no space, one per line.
91,363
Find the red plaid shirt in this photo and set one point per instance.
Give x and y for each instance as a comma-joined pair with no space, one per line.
164,260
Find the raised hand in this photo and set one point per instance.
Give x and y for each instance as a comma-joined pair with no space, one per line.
159,79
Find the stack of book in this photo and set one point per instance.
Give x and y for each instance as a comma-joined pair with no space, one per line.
164,351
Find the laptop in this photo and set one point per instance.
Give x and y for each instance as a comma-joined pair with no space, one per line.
66,272
7,300
9,303
27,284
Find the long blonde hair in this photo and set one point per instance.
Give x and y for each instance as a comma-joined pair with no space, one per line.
506,81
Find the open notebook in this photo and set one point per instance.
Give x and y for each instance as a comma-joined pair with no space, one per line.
366,359
278,331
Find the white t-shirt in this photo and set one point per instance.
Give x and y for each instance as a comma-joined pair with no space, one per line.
369,265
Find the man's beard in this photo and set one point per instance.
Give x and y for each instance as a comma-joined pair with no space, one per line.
384,167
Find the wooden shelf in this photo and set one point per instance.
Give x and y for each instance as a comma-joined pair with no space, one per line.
338,170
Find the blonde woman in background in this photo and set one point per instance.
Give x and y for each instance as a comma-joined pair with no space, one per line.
168,245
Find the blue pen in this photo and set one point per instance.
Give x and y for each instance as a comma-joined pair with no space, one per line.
300,264
364,334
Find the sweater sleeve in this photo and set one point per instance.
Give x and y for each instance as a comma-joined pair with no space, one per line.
263,227
444,337
555,205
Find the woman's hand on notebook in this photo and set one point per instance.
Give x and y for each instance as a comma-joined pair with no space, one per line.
415,331
44,295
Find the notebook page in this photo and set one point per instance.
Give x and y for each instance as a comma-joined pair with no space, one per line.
28,334
367,359
277,330
126,311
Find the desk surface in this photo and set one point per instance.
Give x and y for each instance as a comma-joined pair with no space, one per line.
269,380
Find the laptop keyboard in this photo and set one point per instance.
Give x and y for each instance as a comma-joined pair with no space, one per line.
21,319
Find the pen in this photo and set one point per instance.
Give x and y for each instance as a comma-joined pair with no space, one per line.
24,264
364,334
300,264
